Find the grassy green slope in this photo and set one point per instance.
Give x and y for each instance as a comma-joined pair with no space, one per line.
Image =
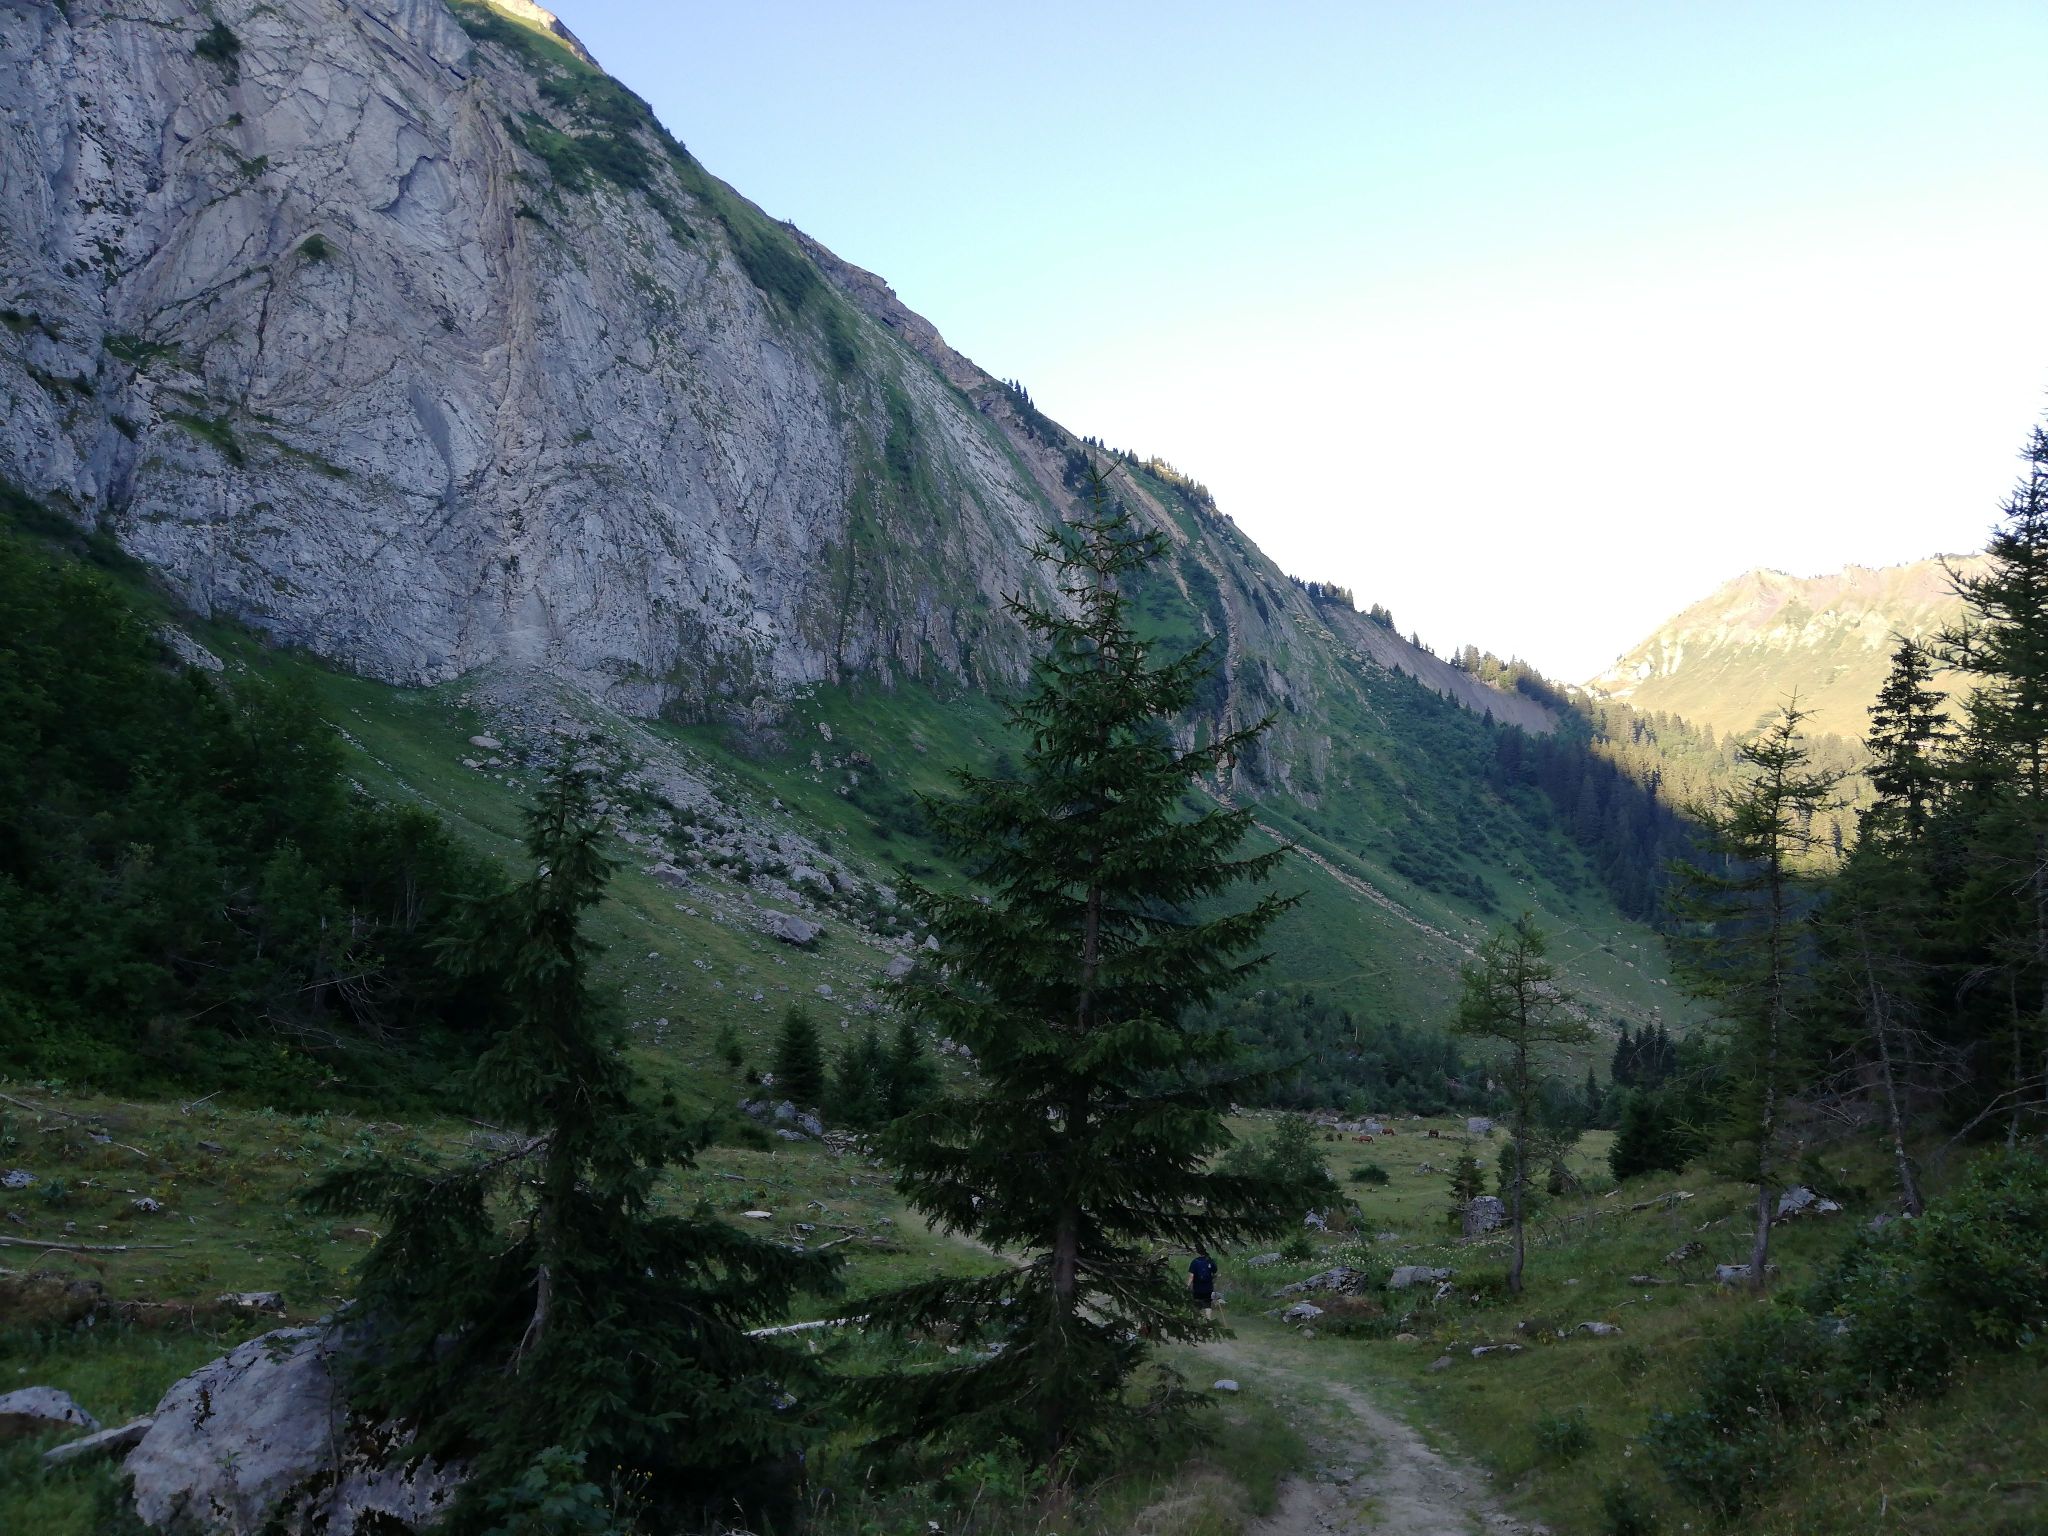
844,766
1966,1462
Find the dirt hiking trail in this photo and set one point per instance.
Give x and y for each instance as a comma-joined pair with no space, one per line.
1379,1477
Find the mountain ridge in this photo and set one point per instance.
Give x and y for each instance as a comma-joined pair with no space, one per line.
612,420
1730,658
408,339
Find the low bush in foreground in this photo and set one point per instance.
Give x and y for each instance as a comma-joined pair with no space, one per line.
1889,1322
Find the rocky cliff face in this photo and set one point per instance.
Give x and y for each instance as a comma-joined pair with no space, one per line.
1733,657
399,331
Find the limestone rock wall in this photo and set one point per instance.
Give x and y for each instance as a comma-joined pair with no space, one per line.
311,329
396,330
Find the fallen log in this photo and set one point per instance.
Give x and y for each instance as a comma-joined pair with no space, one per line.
30,1242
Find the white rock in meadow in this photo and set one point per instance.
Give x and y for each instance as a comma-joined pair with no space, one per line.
31,1410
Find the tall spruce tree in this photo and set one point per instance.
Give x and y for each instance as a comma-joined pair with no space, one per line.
799,1059
1885,913
1512,999
1909,733
859,1081
539,1296
908,1075
2003,642
1752,952
1083,1146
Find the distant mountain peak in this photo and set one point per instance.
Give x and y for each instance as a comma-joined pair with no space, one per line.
1734,656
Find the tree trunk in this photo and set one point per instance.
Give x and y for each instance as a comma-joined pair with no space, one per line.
1767,1119
2040,891
1066,1256
1066,1265
1521,1161
1894,1116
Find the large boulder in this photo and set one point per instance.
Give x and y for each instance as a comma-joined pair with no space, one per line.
1484,1213
1801,1201
1415,1274
107,1442
261,1439
788,927
1479,1125
1342,1278
36,1410
1739,1274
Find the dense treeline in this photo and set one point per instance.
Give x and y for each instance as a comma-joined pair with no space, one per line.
1930,963
1626,822
1319,1053
1899,983
1630,788
189,889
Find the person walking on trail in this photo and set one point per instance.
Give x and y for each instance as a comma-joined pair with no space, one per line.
1202,1281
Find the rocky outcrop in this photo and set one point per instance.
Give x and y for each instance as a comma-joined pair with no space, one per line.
1416,1274
261,1439
400,332
788,927
335,323
1483,1214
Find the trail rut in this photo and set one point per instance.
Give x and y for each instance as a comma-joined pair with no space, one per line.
1381,1477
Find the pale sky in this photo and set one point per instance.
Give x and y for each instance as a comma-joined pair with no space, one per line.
1531,322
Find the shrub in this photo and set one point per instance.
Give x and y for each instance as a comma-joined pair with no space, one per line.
1488,1284
1468,1181
1986,1247
1887,1321
1897,1335
1562,1437
774,265
1358,1317
1768,1378
316,247
1369,1173
1297,1249
219,45
552,1498
216,430
1650,1138
1287,1154
1628,1512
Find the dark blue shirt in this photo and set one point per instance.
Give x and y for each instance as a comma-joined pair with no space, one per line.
1204,1272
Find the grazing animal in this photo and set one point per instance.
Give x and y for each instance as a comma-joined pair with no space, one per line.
1433,1135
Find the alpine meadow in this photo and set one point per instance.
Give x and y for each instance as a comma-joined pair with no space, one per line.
636,901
